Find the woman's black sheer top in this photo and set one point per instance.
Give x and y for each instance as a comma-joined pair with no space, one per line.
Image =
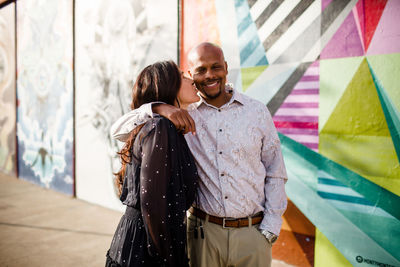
161,181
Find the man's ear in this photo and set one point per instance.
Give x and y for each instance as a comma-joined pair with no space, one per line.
226,67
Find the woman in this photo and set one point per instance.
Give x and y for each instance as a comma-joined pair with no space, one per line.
158,177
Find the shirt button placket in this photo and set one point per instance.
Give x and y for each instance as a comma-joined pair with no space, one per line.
219,151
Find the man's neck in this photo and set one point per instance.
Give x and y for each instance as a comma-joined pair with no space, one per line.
221,100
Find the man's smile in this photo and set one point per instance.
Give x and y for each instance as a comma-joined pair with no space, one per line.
211,84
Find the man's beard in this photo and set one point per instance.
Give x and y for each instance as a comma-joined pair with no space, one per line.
213,96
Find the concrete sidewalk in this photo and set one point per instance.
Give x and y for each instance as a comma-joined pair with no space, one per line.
40,227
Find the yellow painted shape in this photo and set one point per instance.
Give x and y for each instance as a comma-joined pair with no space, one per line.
372,157
334,77
358,111
249,75
387,69
326,255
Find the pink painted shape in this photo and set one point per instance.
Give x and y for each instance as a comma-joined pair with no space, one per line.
315,64
325,3
386,39
345,42
309,78
361,18
300,127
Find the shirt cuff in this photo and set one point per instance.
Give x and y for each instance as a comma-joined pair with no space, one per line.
271,223
275,205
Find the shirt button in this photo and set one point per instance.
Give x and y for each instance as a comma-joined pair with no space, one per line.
222,174
220,130
219,110
220,152
226,197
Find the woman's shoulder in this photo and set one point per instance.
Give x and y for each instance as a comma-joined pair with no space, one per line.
157,124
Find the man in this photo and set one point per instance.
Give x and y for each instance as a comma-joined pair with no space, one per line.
241,195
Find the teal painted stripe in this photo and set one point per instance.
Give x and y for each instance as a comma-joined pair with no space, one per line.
252,52
374,193
238,3
344,198
330,182
244,24
263,61
248,49
257,55
391,114
346,229
340,231
242,10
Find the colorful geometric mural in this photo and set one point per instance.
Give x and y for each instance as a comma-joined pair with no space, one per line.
7,90
45,93
327,71
344,206
297,116
114,41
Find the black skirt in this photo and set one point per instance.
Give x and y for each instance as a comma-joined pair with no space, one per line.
129,244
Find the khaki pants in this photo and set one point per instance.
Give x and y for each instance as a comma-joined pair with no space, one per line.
238,247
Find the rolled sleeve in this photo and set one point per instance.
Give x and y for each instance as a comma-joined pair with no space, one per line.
121,129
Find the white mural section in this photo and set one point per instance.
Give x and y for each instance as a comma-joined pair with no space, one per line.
7,89
45,93
114,41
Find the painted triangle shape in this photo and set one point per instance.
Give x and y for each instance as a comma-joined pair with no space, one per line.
386,39
391,114
335,76
386,68
372,13
358,111
249,75
345,42
357,136
361,18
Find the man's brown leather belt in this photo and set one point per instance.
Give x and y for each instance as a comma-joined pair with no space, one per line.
227,222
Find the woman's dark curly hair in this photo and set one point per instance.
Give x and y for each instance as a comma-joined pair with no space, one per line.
160,81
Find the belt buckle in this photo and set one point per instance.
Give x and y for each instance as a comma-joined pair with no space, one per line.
223,223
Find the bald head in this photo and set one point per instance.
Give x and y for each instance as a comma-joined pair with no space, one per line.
202,49
208,69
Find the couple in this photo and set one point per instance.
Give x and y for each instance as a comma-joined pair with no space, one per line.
239,196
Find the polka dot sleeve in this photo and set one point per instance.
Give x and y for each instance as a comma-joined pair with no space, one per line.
155,180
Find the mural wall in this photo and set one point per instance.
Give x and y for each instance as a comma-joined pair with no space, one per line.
326,71
7,90
45,93
114,41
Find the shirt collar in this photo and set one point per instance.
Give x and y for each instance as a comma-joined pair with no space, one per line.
236,97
